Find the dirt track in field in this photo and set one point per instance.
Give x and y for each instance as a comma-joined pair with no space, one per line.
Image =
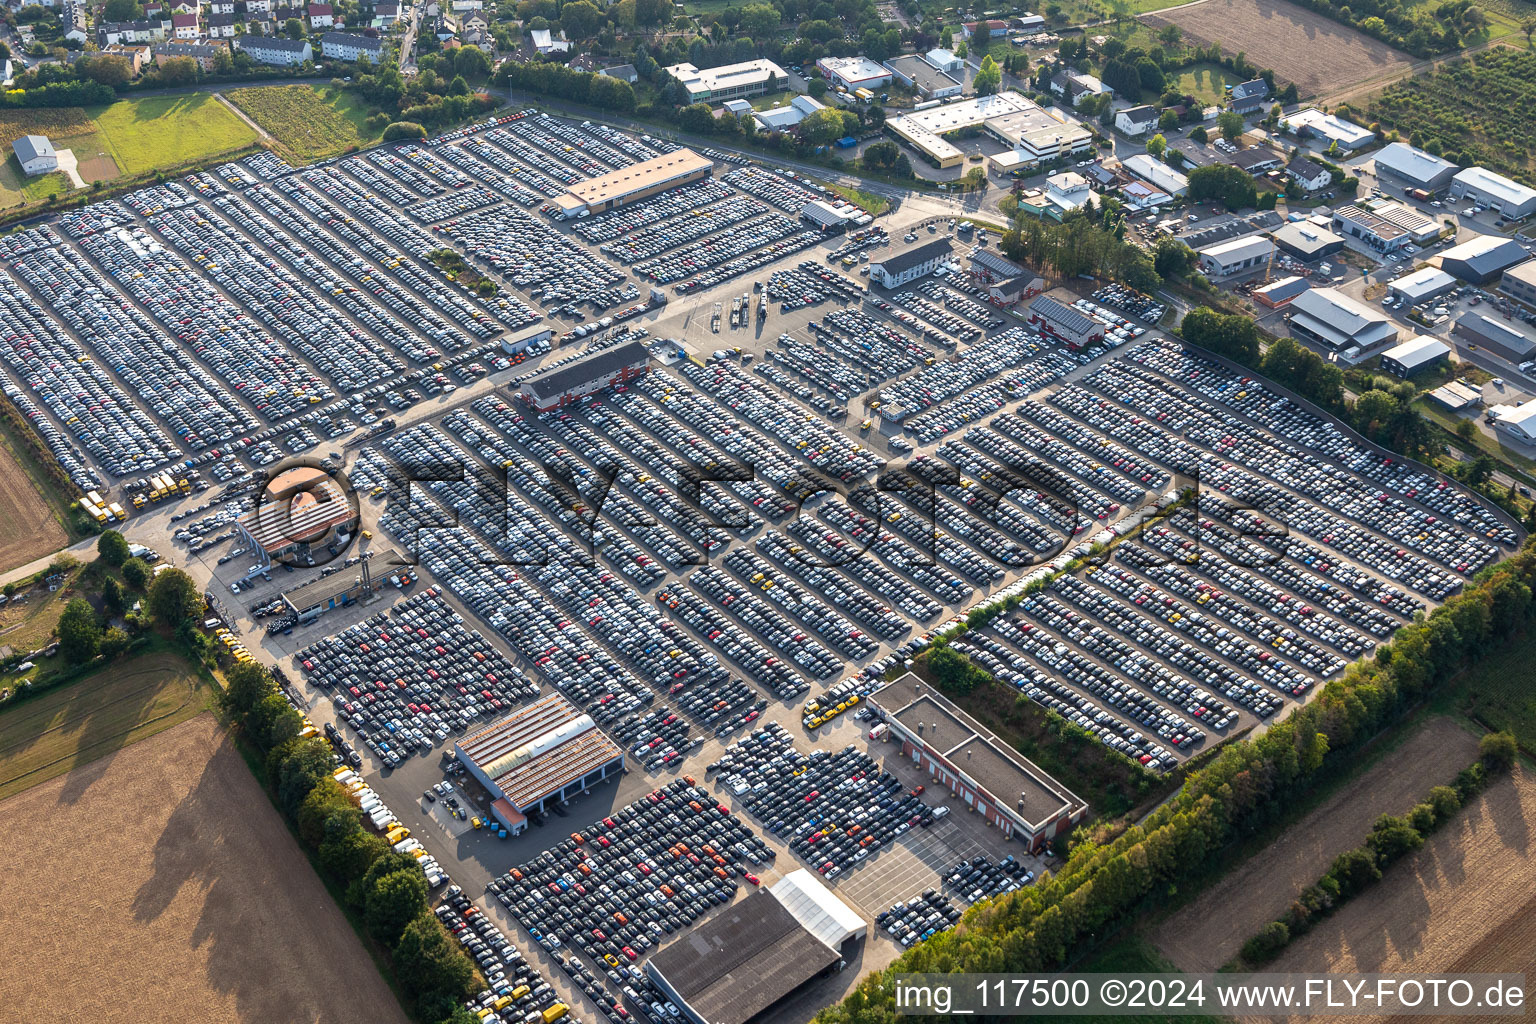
159,884
1299,46
1209,931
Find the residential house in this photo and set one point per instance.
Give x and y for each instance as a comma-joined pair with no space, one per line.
36,154
221,26
385,15
1136,120
185,7
1248,97
347,46
185,26
124,32
136,56
545,42
200,52
1076,86
320,16
992,29
76,27
624,72
221,7
1310,175
278,51
257,8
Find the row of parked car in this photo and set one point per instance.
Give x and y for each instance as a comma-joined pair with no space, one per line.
911,921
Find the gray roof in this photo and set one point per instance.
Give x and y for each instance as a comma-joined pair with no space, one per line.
1232,228
1485,255
280,43
917,256
1144,114
1488,329
1063,316
741,961
1255,89
1301,167
30,147
1252,159
559,379
624,71
348,39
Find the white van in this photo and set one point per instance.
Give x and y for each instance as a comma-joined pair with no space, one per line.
939,812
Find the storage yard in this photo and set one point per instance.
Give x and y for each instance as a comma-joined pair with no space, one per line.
681,492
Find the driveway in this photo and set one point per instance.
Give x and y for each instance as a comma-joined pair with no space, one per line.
70,166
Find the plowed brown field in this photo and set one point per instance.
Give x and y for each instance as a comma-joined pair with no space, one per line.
159,884
1209,931
1296,44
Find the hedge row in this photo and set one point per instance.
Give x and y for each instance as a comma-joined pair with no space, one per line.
1246,786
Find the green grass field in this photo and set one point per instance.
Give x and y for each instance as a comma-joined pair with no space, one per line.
48,735
1206,82
16,187
163,131
1499,692
313,123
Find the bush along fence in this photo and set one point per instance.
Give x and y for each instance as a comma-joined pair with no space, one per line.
387,891
1245,787
1392,838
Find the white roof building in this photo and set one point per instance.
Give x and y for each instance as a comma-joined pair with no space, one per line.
1480,184
1422,285
789,115
1317,124
1413,165
1236,255
818,909
748,78
943,60
1339,323
1518,421
854,72
1155,172
1414,354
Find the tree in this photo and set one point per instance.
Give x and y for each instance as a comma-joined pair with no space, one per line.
1528,26
272,722
174,599
822,127
245,686
581,19
349,853
430,964
458,87
112,598
1171,257
1392,837
1150,75
817,88
113,642
294,28
395,900
1273,937
112,549
990,78
122,10
1167,120
1170,35
1231,335
404,130
136,573
1498,750
1231,125
108,69
78,631
178,71
1372,409
1222,183
1157,145
472,63
1199,134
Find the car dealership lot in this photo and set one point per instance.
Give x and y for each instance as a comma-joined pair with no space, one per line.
797,495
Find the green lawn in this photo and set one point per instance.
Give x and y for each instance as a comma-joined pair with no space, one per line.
1206,82
165,131
313,123
16,187
1499,692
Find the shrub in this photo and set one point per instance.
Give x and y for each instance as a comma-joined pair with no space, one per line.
404,130
1270,940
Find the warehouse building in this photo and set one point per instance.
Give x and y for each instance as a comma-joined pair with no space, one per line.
854,72
1281,292
1409,357
1338,323
1483,258
1422,285
1414,167
1516,422
1312,123
301,509
986,774
349,586
593,371
1156,173
925,130
1307,241
1480,185
786,117
897,269
1234,227
543,752
1519,282
928,80
1374,230
631,184
756,951
1235,256
1499,338
1037,136
35,154
733,81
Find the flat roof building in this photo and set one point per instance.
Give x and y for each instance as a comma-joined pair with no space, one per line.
1409,357
909,264
1306,241
749,78
977,767
1414,167
1422,285
925,129
738,963
1328,317
300,509
1235,256
1481,185
630,184
1313,123
1501,339
789,115
1371,228
929,80
593,371
1482,259
1038,135
545,751
854,72
1519,282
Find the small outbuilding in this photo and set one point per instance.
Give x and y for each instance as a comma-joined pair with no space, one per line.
36,154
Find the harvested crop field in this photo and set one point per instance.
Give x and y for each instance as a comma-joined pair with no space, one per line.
1208,932
174,892
1296,44
28,527
1462,903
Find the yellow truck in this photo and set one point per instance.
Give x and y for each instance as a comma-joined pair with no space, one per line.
398,834
554,1012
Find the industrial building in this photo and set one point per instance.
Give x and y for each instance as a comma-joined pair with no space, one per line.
1480,185
1422,285
350,585
928,80
852,73
756,951
1281,292
544,751
1063,323
1409,357
1499,338
924,130
1233,227
1370,227
1519,282
1037,136
732,81
986,774
35,154
631,184
909,265
1156,173
1414,167
569,382
300,509
792,113
1517,422
1340,324
1005,281
1307,241
1482,259
1313,123
1235,256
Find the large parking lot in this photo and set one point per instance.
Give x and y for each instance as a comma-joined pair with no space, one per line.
810,481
